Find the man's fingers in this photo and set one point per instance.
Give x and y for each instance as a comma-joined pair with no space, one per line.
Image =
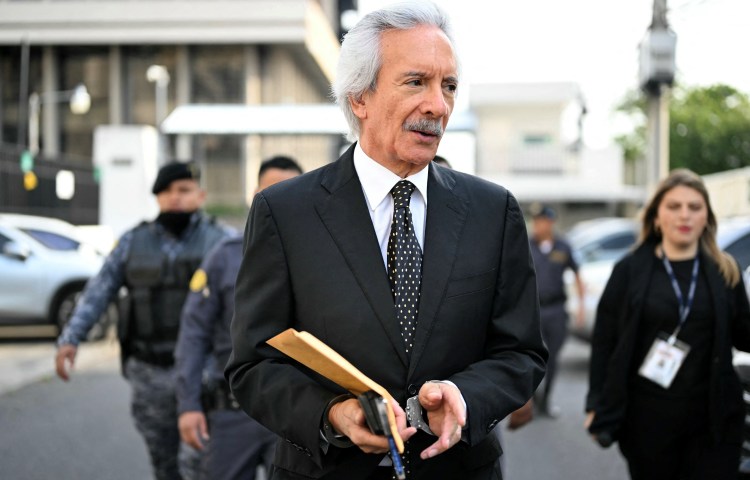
64,361
348,418
367,441
449,438
60,367
193,428
452,397
430,396
407,433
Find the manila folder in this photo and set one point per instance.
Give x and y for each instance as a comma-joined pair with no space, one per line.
317,356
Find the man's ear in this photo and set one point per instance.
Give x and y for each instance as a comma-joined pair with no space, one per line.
359,107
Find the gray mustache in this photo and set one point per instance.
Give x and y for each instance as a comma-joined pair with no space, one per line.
433,127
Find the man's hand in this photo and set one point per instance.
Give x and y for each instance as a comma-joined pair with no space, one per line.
589,419
445,413
348,419
193,428
65,354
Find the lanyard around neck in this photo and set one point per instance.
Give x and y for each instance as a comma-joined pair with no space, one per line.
685,303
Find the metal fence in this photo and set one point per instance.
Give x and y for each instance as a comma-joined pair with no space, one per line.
16,197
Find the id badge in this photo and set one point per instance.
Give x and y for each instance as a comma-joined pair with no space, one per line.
664,360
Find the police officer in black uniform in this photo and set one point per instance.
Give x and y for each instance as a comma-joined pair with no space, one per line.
154,262
238,444
552,256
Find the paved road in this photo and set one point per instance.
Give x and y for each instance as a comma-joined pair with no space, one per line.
560,449
50,429
82,429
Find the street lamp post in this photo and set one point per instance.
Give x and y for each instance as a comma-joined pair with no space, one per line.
80,103
657,71
159,75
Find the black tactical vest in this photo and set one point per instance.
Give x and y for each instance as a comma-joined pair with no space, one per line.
157,287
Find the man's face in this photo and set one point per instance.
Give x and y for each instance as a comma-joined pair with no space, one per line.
542,227
181,196
274,175
402,121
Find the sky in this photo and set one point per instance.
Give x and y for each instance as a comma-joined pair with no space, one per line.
595,44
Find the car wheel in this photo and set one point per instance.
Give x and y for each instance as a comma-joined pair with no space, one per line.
63,308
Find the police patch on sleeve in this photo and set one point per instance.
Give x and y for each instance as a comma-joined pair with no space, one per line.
198,282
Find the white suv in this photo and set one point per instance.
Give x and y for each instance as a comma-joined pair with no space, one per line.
44,265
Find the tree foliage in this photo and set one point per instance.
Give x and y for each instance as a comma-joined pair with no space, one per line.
709,128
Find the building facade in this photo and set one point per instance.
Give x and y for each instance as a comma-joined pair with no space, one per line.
529,138
251,52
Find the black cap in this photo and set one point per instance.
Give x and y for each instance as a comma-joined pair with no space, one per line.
543,211
174,171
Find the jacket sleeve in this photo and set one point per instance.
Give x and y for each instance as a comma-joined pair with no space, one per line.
100,290
201,311
606,332
741,321
258,374
515,356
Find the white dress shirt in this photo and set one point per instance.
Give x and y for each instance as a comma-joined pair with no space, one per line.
377,182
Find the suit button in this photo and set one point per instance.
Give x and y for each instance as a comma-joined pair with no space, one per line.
412,389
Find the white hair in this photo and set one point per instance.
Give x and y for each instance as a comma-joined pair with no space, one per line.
360,58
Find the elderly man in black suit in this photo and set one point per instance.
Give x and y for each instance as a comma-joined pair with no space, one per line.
418,275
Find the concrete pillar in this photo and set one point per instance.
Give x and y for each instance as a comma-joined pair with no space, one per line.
253,96
183,143
50,127
116,113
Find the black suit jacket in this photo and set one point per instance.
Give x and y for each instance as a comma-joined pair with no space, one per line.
615,336
312,262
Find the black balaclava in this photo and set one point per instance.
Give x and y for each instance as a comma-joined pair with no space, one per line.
174,222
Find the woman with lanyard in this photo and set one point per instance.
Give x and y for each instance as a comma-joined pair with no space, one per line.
661,379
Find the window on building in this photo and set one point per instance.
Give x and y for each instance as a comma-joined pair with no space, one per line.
217,74
219,157
90,66
10,92
140,94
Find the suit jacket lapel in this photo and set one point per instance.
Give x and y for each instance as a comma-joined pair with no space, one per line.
446,215
344,213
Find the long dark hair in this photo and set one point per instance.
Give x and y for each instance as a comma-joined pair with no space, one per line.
649,232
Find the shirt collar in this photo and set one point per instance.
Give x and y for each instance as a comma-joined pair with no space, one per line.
377,181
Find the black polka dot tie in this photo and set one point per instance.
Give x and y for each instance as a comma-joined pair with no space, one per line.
404,263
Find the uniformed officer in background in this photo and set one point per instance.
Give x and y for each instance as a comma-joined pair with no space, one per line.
552,256
238,444
154,262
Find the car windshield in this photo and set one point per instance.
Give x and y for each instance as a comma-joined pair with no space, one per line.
53,241
601,240
734,238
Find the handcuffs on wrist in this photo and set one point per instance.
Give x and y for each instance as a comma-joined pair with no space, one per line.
415,413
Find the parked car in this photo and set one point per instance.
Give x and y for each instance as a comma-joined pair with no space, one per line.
602,239
598,244
44,265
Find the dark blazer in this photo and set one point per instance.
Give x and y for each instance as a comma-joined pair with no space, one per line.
312,262
619,312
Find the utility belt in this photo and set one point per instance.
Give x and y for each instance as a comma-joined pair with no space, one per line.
146,352
218,396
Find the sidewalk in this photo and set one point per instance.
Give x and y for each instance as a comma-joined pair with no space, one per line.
24,363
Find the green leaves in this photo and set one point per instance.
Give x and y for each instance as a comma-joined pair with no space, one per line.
709,128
